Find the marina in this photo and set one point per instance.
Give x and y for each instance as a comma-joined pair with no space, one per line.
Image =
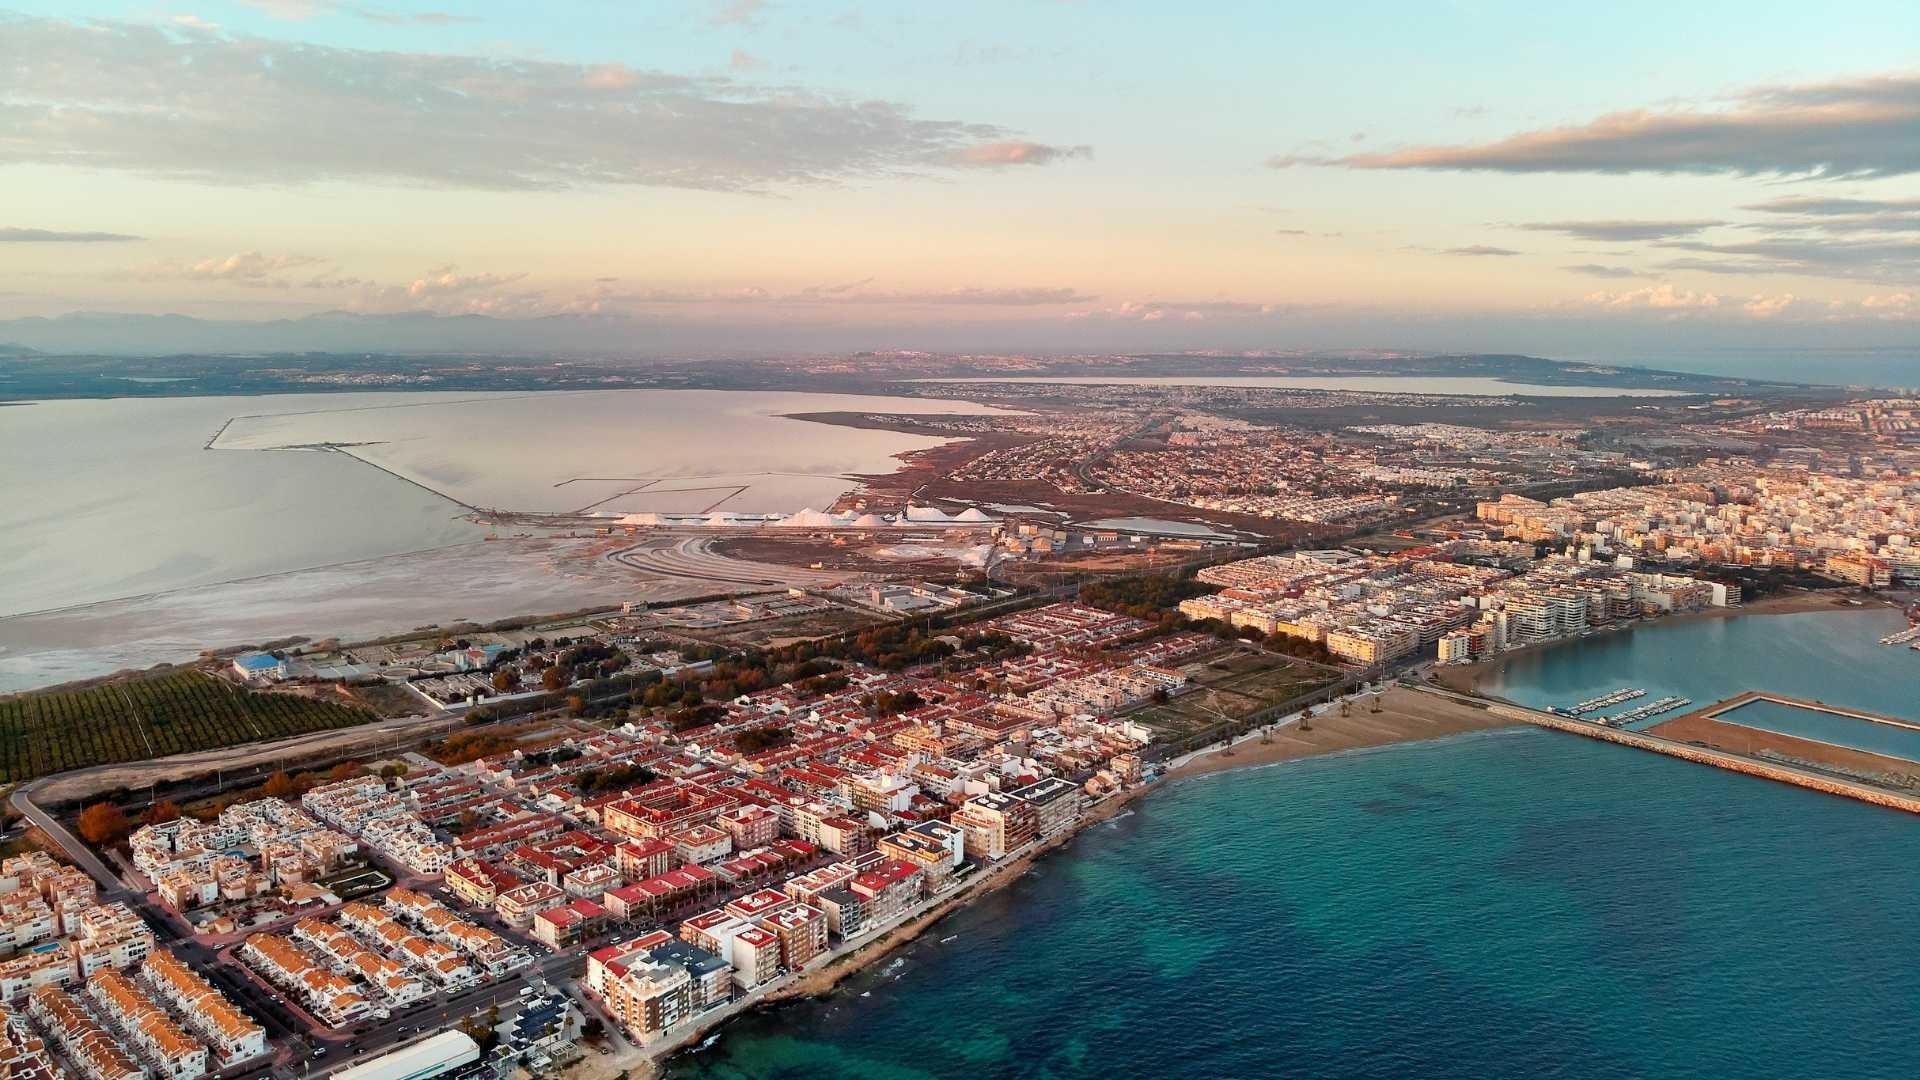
1625,693
1911,635
1652,708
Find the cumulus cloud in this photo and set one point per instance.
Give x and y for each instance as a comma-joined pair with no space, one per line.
251,269
1015,152
1478,250
1767,307
168,102
1662,297
1863,127
742,60
1183,310
1670,301
1621,231
14,235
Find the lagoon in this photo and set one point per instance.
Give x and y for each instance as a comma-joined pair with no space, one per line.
1471,386
123,497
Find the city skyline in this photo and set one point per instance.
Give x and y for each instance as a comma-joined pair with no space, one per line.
758,176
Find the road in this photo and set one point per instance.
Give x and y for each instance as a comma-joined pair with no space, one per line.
76,852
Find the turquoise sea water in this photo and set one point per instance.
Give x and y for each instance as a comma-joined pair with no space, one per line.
1830,656
1517,903
1874,738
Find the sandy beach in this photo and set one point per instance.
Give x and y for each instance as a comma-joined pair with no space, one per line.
1404,716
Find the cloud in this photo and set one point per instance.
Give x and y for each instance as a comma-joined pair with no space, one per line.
737,12
9,235
1600,271
1183,310
1830,214
1863,127
1872,258
742,60
1662,297
1767,307
1672,302
302,10
162,101
852,293
1827,204
1478,250
251,269
1016,152
1621,231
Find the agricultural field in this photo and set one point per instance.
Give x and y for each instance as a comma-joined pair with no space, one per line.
148,718
1226,689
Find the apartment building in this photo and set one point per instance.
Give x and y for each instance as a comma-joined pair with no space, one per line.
232,1035
81,1038
1056,805
396,983
24,1055
994,824
166,1048
331,998
488,951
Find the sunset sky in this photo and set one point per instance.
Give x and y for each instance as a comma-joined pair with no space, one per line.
1520,176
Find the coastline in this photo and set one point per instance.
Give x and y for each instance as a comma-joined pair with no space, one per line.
1406,716
1463,677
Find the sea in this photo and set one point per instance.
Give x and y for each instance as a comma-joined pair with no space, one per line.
1829,656
1515,903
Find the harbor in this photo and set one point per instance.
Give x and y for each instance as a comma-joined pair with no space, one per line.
1702,737
1643,712
1586,709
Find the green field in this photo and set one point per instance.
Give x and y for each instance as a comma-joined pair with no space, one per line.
148,718
1226,689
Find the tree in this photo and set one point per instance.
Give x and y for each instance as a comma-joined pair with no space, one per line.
394,771
555,677
103,823
278,786
162,812
503,680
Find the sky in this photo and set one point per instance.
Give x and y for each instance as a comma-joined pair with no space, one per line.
730,175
